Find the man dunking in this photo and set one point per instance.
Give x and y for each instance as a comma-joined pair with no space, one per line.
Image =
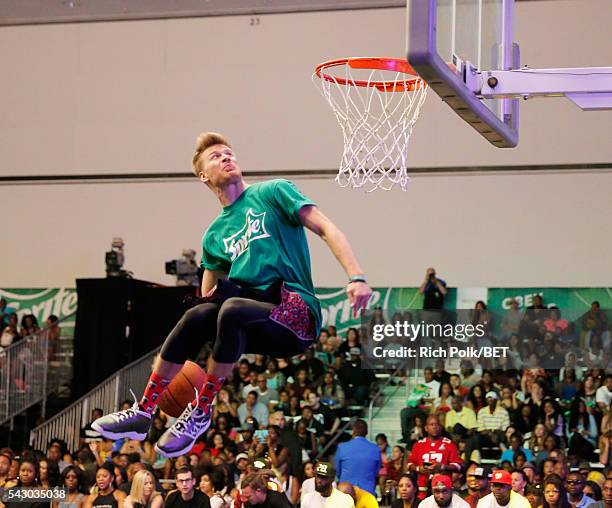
259,295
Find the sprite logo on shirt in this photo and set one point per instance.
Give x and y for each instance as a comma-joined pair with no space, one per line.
254,229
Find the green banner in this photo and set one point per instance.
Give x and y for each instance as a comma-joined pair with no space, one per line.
573,302
42,303
337,308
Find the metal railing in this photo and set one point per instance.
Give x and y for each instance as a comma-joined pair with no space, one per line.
24,373
381,392
107,396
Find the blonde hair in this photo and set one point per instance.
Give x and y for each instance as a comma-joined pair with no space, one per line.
205,140
137,490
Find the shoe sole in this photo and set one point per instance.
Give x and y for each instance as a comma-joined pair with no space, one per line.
118,435
182,451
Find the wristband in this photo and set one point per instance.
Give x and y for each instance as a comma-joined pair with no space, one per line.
357,278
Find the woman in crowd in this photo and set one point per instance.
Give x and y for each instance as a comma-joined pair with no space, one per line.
143,493
555,495
392,469
589,388
352,340
49,474
553,419
569,386
537,440
442,403
582,429
76,490
407,491
476,398
29,325
550,444
275,379
307,440
227,407
28,479
107,495
330,391
10,333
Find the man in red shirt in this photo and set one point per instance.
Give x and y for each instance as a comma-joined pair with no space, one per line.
432,455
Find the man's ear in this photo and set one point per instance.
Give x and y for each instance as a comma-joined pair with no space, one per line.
202,176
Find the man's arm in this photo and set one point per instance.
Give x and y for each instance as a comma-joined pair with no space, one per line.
210,278
312,218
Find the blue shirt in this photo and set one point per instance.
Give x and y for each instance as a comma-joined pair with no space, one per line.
509,455
358,462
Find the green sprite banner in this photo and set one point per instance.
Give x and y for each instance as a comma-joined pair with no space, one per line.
337,308
42,303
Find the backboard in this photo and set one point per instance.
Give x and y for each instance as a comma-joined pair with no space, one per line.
449,41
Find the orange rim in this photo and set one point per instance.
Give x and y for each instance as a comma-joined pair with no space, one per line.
374,63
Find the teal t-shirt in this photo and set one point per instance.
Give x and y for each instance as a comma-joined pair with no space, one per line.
259,239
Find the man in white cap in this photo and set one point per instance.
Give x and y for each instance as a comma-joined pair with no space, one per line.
325,494
492,421
502,493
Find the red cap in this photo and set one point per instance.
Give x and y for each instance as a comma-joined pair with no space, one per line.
441,478
501,476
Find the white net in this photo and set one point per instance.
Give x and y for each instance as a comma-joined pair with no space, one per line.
376,113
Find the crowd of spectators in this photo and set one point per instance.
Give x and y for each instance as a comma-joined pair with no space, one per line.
524,434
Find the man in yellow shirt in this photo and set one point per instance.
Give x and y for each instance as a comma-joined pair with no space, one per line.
362,498
461,421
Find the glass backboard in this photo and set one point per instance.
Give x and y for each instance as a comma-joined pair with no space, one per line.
448,40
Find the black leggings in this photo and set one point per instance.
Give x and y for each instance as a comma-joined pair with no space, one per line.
238,325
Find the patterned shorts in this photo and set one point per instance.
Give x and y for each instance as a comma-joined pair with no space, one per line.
293,313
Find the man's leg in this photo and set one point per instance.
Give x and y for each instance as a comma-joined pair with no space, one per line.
197,326
243,325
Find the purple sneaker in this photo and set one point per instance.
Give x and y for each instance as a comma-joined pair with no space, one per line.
181,437
132,423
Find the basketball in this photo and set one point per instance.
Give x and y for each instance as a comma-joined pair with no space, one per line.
181,390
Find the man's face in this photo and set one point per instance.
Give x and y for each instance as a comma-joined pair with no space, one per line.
251,400
5,465
433,427
574,483
518,482
252,496
457,404
501,491
313,399
322,483
185,483
218,166
262,384
428,374
607,492
54,453
442,495
492,402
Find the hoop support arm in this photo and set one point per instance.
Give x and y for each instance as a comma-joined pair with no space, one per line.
588,87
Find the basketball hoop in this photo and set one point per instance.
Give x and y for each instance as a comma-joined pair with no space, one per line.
376,105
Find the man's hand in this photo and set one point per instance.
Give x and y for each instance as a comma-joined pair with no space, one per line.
358,294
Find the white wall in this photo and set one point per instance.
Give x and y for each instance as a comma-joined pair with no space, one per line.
131,97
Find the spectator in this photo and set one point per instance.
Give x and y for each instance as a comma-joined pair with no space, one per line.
330,391
361,498
407,490
76,489
533,493
434,290
516,441
273,450
440,374
325,495
519,481
265,394
593,321
313,366
143,493
392,467
352,341
511,320
492,422
421,402
358,460
476,398
502,494
186,494
252,407
477,484
468,374
307,440
355,380
442,494
603,395
323,414
10,333
592,490
29,325
575,495
458,389
226,406
300,385
460,420
555,495
432,455
5,466
606,494
5,313
107,494
312,424
582,429
276,379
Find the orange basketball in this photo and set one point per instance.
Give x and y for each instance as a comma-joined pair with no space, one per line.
181,390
